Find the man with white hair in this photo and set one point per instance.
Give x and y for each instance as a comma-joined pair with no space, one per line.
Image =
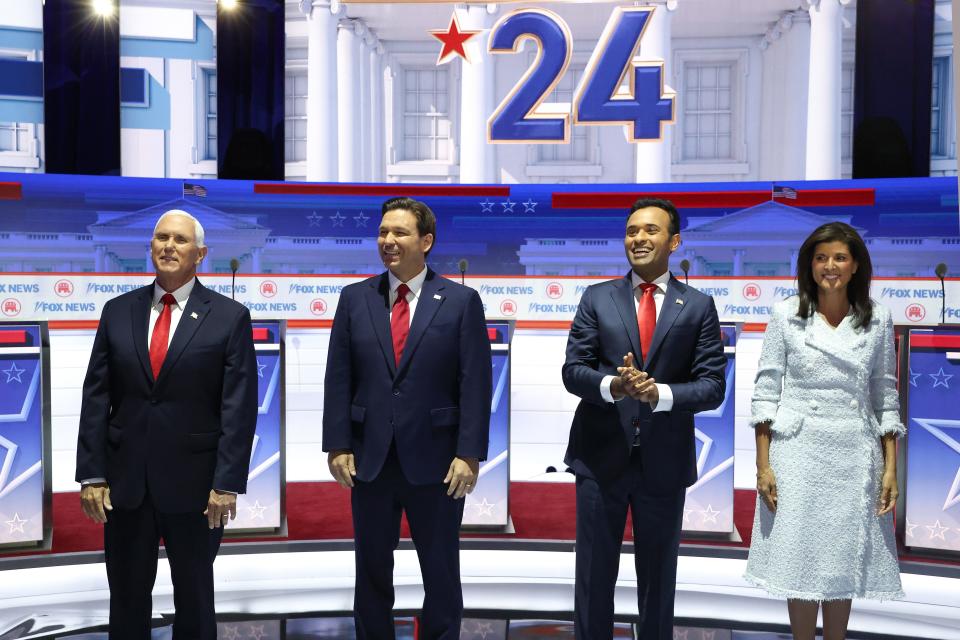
166,427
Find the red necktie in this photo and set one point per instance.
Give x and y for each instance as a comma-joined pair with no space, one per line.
400,321
161,335
646,317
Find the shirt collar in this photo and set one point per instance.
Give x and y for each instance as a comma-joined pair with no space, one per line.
180,294
415,283
661,282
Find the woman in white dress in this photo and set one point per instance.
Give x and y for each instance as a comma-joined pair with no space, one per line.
827,416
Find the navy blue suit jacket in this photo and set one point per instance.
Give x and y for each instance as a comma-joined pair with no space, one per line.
435,405
686,353
188,431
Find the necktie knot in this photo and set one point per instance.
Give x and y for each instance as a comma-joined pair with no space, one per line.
647,288
402,290
168,299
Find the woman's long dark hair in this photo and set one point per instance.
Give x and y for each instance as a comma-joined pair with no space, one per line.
858,290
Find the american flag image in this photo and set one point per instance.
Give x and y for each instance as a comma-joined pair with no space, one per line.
785,192
194,190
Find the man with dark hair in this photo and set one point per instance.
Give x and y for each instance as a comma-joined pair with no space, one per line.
406,419
644,354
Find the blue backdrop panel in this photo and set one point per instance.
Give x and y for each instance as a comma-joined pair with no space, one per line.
22,433
262,506
933,440
489,504
709,505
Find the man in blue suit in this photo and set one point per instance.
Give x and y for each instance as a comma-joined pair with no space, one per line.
406,417
644,354
166,427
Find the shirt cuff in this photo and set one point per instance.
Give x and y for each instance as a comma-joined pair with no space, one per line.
605,391
665,403
233,493
84,483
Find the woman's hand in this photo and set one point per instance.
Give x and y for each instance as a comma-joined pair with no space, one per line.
767,487
888,493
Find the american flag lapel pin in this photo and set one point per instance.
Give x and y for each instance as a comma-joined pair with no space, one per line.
437,296
193,314
679,301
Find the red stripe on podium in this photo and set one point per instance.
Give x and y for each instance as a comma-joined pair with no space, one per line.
261,334
13,337
11,191
300,189
933,341
714,199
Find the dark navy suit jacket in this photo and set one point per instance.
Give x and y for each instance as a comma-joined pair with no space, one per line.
188,431
435,405
686,354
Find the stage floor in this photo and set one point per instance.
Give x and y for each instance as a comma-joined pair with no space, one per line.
510,591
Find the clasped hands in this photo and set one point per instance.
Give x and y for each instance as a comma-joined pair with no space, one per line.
632,382
461,477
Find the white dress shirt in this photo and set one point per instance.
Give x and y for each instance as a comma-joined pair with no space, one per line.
665,403
176,310
415,284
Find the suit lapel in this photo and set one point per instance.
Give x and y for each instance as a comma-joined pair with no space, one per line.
428,303
140,320
673,302
626,304
378,304
192,316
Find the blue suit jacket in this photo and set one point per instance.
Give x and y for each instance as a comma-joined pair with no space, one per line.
686,354
188,431
435,405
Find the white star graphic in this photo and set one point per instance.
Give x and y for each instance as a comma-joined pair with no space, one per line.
260,368
16,525
529,205
486,206
338,219
14,372
231,633
913,378
361,219
909,528
314,219
935,427
508,205
484,508
709,515
709,635
256,511
940,379
937,531
680,634
257,633
686,514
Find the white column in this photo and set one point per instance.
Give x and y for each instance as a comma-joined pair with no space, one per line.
823,95
653,157
738,261
377,139
368,45
322,90
255,265
149,262
477,158
100,258
692,258
349,60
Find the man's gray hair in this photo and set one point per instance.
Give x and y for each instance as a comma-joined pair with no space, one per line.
197,227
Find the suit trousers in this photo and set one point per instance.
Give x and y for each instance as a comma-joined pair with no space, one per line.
434,519
131,542
601,515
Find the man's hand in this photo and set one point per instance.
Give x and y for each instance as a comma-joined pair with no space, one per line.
462,477
629,377
95,501
342,467
221,508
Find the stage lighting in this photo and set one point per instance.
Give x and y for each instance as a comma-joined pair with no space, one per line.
229,5
103,8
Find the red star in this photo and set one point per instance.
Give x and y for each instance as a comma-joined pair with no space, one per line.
453,40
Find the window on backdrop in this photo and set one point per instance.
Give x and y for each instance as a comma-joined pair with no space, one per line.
426,116
210,109
708,111
939,99
295,116
578,149
846,112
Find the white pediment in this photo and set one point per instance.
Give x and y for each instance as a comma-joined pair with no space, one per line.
765,217
146,219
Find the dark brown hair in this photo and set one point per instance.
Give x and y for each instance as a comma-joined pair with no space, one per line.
858,290
660,203
426,221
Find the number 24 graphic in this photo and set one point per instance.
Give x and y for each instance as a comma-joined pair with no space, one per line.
599,99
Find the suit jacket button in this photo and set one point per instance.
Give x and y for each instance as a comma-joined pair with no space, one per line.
153,401
396,392
635,422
